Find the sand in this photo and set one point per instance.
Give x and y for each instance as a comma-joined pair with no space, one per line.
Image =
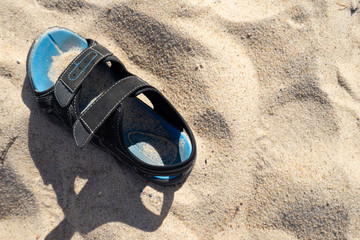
270,88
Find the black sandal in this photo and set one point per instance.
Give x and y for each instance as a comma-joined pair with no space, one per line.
100,100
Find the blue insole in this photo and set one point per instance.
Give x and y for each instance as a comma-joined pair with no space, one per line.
148,136
50,44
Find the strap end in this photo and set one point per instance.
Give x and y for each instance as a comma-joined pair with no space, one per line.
62,94
81,134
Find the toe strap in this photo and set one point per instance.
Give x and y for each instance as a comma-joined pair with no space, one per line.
92,118
71,79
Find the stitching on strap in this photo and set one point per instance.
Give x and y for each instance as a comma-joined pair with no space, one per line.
77,122
77,64
119,102
63,73
69,114
82,120
121,80
80,81
73,63
117,133
95,63
75,108
111,108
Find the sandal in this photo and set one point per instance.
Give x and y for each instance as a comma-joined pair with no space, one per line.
90,91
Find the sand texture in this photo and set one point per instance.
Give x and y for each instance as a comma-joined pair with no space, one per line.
270,88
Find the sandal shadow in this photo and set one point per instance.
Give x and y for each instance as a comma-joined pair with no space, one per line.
112,192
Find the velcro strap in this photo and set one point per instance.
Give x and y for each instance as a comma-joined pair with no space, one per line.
92,118
70,80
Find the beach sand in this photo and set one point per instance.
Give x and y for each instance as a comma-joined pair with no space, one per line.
270,88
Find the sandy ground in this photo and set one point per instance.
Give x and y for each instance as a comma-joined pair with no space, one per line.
270,88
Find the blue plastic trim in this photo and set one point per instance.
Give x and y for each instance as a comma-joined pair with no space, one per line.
77,64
